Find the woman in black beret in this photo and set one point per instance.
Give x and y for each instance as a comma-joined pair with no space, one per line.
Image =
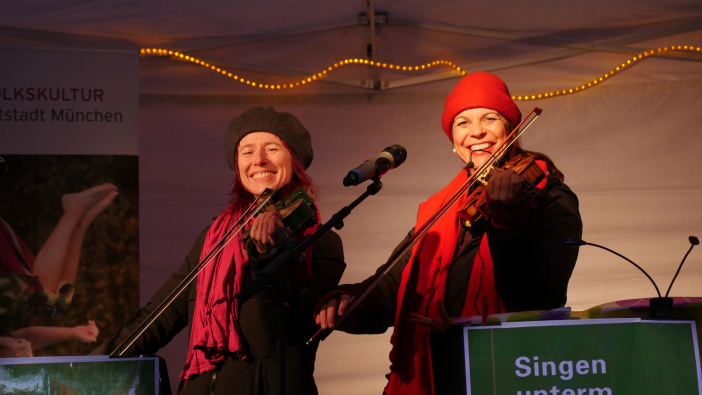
233,346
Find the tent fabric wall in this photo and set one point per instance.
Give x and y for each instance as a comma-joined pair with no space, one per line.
629,148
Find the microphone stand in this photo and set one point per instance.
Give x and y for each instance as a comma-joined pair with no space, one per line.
271,275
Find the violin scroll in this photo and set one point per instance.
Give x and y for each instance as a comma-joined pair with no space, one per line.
295,212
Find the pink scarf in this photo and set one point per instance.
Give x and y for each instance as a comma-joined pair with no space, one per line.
215,328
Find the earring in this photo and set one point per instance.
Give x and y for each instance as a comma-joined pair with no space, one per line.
454,150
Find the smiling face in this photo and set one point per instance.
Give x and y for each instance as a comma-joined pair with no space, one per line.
263,162
478,129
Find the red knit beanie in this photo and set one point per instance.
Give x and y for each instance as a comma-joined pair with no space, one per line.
479,90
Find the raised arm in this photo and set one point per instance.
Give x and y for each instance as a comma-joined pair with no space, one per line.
377,311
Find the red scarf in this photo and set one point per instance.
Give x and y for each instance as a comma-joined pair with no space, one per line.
423,282
215,328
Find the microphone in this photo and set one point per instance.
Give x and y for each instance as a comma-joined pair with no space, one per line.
575,242
391,157
660,307
694,241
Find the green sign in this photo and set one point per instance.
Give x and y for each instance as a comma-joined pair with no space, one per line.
79,376
583,357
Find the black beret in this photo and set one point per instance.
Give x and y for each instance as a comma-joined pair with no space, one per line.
266,119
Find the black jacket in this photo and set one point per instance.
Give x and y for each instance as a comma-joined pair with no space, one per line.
258,375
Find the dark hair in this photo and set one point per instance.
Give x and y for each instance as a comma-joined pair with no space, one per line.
517,149
241,198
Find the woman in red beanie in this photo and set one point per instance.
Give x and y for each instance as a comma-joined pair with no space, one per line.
516,258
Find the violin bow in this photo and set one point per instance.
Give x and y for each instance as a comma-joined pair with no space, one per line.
256,206
322,334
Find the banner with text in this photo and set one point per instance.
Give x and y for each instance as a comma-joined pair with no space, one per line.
588,357
69,241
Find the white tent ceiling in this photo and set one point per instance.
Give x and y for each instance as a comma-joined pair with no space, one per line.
630,147
278,39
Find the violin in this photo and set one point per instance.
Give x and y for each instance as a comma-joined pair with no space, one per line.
295,211
476,205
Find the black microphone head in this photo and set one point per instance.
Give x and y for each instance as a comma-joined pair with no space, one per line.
352,178
470,165
399,154
694,241
574,242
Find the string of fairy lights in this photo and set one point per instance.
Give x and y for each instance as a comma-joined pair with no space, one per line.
438,63
298,83
605,76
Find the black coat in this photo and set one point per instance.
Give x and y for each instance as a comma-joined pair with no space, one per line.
259,374
532,266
